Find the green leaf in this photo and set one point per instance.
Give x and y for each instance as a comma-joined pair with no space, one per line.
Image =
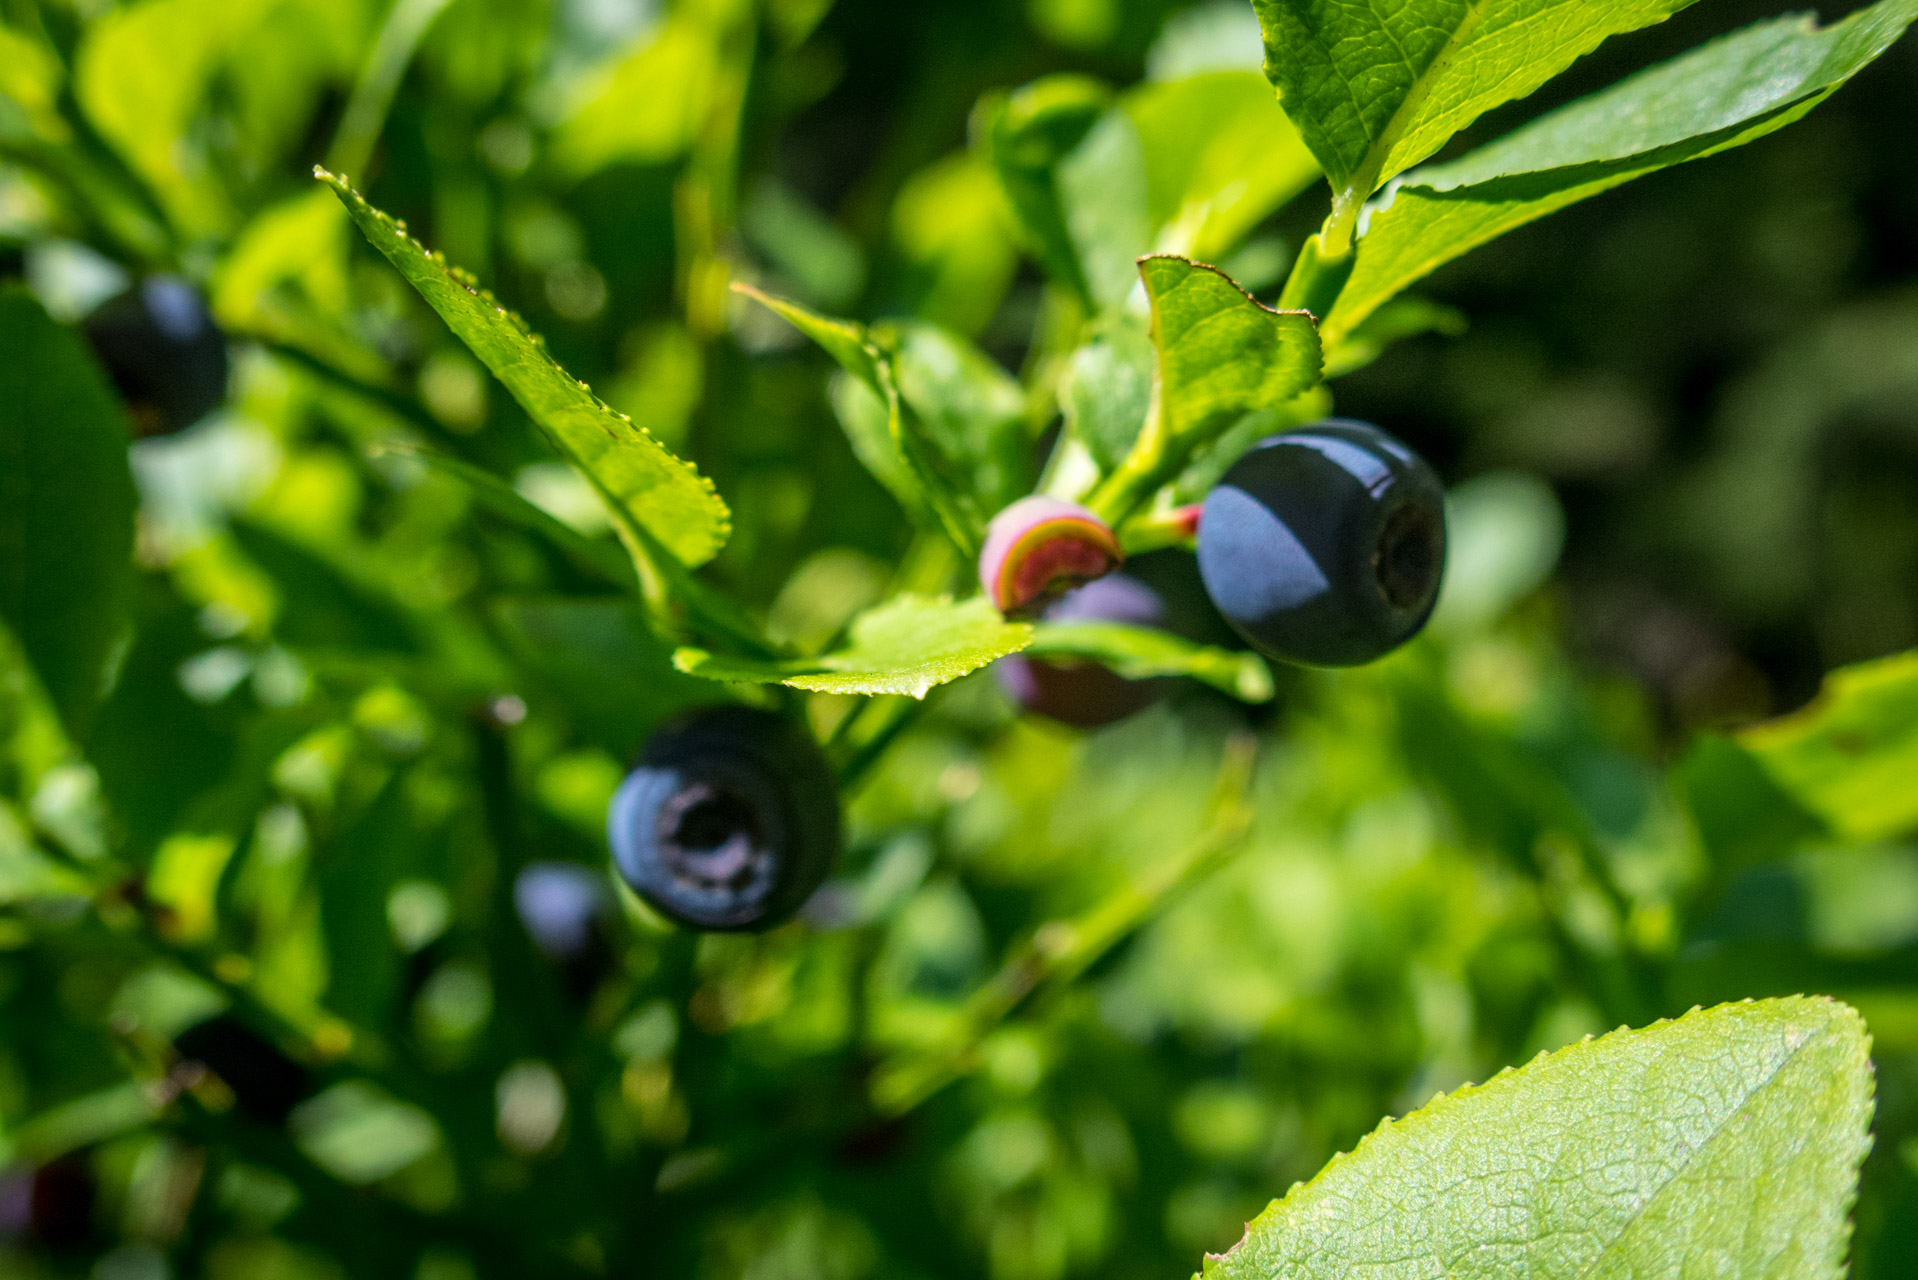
1220,155
1106,389
1025,135
648,106
1851,757
908,645
1720,95
1222,352
1102,193
654,496
955,390
1724,1143
1375,86
1139,653
27,874
66,507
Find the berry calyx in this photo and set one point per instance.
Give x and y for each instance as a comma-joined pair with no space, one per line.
1085,694
1038,548
729,822
164,353
1325,545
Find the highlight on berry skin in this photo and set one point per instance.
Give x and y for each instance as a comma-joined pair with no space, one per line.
729,821
1040,547
1325,545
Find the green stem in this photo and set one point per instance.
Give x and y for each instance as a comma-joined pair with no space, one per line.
407,23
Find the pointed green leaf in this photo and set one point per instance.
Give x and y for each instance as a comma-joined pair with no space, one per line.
1222,352
1376,86
1726,1143
844,340
652,494
1025,135
1720,95
1851,757
1139,653
908,645
66,507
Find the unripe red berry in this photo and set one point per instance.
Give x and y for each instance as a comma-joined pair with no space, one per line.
1039,548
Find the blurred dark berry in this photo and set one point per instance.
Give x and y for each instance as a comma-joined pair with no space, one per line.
729,822
1085,694
566,911
1325,545
161,348
266,1084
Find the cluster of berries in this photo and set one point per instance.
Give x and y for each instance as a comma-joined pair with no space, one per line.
1321,546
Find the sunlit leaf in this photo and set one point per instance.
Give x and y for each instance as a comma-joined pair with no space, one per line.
1378,85
1221,351
653,494
908,645
1725,1143
1851,757
1721,95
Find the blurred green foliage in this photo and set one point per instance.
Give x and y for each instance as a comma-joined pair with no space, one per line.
374,656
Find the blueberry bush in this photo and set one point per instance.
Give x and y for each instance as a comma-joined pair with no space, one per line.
942,757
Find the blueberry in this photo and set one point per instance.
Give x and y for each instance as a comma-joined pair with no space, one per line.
1085,694
1325,545
566,911
163,352
266,1084
730,820
1040,547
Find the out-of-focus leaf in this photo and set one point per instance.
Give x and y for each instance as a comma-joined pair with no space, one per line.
648,106
26,873
141,74
1107,388
1221,351
654,496
819,255
30,81
1219,156
1138,653
1727,1142
184,883
1851,757
361,1135
1742,816
953,226
1379,85
1101,185
608,668
1026,135
319,606
1721,95
84,1121
908,645
302,239
972,409
66,507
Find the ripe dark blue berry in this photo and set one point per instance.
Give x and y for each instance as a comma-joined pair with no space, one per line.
1325,545
566,911
1085,694
266,1084
164,353
729,822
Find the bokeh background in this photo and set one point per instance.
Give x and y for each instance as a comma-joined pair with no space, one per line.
1682,428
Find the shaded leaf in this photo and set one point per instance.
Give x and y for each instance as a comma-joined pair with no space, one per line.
908,645
1851,757
1726,1142
1139,653
1026,135
1720,95
1107,388
66,507
654,495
